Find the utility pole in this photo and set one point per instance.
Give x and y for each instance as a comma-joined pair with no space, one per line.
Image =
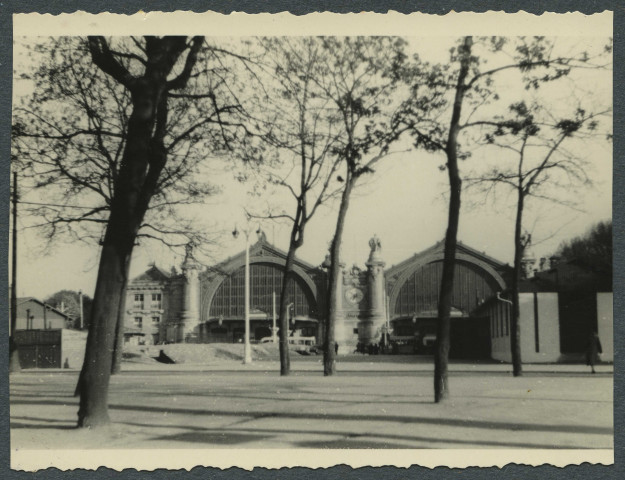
274,329
81,312
14,359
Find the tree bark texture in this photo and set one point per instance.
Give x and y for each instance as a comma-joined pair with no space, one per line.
142,162
285,359
94,378
118,348
441,356
515,327
329,353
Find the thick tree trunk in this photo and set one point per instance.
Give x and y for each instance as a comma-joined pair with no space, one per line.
136,181
133,190
285,359
94,377
441,357
118,349
515,330
329,353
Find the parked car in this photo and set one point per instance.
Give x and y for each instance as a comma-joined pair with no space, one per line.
303,345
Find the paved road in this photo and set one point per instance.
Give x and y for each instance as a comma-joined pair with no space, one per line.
252,407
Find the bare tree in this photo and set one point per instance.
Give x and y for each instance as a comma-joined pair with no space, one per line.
542,167
119,126
467,83
359,75
292,146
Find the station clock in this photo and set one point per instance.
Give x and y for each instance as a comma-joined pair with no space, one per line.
354,295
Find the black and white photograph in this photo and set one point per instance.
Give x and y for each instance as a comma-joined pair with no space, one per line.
367,240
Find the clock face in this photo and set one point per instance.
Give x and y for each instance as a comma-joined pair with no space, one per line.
354,295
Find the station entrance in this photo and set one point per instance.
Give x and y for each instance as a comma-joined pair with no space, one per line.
469,336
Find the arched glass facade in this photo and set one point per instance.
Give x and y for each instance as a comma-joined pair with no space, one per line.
265,279
420,291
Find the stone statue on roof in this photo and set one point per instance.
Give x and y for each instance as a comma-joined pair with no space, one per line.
189,258
376,248
262,237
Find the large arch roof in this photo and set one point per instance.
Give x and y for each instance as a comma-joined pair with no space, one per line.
397,275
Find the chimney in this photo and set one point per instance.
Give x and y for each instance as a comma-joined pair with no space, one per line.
528,266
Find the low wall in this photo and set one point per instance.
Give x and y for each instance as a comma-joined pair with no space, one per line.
605,325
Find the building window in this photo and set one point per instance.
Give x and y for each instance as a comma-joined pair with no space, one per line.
139,321
507,325
138,301
308,332
156,319
156,301
355,331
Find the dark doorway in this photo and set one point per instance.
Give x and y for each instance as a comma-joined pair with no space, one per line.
470,338
578,318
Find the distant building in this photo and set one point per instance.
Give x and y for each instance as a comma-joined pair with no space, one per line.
560,307
33,314
153,299
413,288
376,304
41,334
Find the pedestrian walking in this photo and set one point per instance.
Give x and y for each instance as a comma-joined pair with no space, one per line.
593,349
336,348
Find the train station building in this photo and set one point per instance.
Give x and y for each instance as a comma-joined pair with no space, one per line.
203,304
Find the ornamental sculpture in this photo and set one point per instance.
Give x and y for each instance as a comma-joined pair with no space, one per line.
376,248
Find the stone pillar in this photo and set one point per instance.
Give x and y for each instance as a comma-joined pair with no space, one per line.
341,335
369,328
190,317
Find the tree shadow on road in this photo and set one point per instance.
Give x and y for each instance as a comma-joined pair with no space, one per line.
401,419
215,437
352,401
18,425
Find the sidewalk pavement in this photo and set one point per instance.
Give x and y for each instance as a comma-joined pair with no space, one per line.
354,363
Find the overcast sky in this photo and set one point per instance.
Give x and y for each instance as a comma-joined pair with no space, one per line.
404,203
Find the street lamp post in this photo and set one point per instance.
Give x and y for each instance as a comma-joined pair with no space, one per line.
81,310
247,350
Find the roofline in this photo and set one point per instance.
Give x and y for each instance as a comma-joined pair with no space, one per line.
153,267
22,300
404,263
302,263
